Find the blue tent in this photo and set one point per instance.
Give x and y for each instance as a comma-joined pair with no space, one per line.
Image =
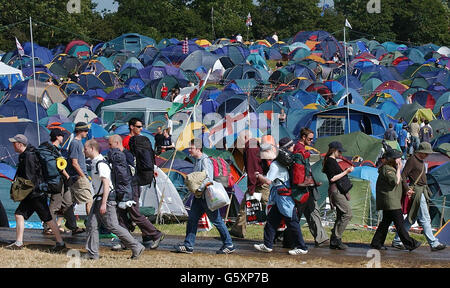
367,173
22,108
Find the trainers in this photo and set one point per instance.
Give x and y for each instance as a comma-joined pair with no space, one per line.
378,247
325,243
118,247
399,246
226,250
438,247
14,246
183,249
338,245
135,256
158,241
262,248
58,247
297,251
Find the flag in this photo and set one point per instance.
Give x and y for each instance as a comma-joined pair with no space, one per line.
249,20
190,99
347,24
19,48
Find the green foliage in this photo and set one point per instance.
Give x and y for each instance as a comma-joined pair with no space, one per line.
416,21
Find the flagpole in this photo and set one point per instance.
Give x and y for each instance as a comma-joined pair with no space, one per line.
346,81
34,82
175,152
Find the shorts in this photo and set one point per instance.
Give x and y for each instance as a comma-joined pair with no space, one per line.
38,204
81,191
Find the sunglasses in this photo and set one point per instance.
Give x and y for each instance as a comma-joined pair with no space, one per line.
310,139
139,127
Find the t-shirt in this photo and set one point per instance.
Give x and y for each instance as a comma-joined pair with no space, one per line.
159,140
426,132
285,204
390,135
415,128
331,168
402,137
76,151
126,142
97,175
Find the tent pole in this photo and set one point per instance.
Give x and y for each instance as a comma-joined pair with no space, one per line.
443,211
34,82
346,82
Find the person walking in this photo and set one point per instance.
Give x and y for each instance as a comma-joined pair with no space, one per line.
104,208
151,237
414,128
390,133
310,209
388,194
252,163
281,202
135,126
81,188
199,206
339,199
403,140
414,180
61,203
426,132
29,168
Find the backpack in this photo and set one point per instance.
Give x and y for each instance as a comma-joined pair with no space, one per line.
50,176
222,172
120,175
141,148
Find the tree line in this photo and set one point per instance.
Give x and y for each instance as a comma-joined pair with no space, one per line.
412,21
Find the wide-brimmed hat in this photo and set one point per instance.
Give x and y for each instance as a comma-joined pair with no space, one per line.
336,145
424,147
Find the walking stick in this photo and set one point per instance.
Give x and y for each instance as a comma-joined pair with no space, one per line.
231,197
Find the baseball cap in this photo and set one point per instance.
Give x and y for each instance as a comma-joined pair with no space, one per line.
19,138
286,142
337,145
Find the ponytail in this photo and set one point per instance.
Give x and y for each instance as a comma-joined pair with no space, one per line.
330,151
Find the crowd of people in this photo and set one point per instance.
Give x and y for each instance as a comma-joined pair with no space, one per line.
280,172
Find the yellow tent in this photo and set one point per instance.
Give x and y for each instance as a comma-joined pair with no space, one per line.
263,42
203,43
316,58
194,129
313,106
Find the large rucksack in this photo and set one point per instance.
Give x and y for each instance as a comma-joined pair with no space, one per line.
222,172
51,178
120,175
141,148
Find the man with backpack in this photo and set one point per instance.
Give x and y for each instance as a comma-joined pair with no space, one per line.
104,207
81,188
36,201
302,179
135,126
149,232
60,203
199,206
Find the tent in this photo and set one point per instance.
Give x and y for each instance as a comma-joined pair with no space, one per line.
334,121
147,108
131,42
22,108
162,196
443,234
409,111
46,94
82,115
9,76
357,143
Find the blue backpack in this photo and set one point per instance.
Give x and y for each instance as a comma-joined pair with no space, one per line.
50,176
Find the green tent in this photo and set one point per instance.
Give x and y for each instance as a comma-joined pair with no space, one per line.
356,143
409,111
439,184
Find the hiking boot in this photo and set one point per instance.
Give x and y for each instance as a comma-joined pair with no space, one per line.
14,246
438,247
262,248
158,241
58,247
297,251
378,247
416,245
399,246
135,256
338,245
183,249
325,243
226,250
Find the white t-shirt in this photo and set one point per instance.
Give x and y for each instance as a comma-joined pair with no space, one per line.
275,37
239,38
277,171
103,172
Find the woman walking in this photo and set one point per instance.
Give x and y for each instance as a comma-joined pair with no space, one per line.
338,193
389,193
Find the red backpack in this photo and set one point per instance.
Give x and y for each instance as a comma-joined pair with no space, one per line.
222,172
